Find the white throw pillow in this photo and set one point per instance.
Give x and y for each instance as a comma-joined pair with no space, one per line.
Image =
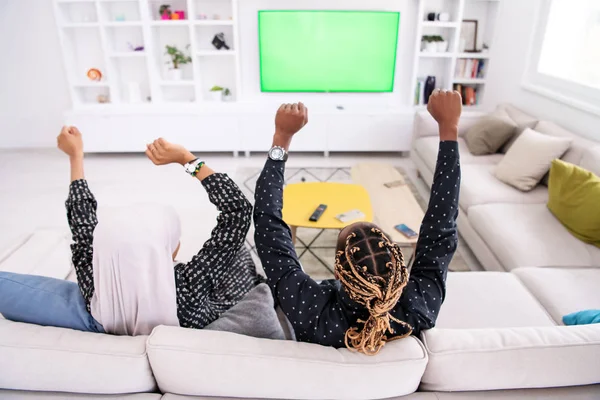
529,159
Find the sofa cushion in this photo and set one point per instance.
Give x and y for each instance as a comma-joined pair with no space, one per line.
529,159
511,358
203,363
562,291
521,118
528,235
490,133
427,148
24,395
34,357
578,146
489,300
46,252
591,160
480,186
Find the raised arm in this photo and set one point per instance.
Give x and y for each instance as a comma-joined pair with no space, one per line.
296,293
81,212
210,266
438,238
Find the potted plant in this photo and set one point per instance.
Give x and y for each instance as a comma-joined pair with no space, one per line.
216,93
177,58
429,44
165,11
227,95
441,44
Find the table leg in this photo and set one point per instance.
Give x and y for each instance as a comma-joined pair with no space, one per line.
293,229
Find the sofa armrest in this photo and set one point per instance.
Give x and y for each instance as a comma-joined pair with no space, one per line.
511,358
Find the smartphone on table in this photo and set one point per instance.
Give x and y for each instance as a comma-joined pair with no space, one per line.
406,231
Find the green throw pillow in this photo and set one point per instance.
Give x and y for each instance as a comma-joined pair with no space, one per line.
574,199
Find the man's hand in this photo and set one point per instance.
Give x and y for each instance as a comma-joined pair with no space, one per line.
290,118
161,152
70,142
445,107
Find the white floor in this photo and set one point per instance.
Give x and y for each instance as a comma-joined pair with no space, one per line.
34,187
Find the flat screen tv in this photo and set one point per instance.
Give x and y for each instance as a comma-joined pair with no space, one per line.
327,51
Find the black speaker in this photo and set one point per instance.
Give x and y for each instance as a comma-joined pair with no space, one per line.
429,87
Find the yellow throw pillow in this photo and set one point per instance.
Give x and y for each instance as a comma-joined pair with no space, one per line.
574,199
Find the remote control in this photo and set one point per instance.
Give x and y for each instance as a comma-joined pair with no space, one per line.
318,212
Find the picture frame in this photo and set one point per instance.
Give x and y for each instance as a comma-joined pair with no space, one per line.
468,34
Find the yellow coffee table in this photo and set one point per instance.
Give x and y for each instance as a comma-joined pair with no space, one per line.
301,199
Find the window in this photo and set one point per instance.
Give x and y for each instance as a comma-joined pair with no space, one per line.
565,63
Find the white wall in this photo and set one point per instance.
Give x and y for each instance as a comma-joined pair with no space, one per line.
514,30
248,11
33,87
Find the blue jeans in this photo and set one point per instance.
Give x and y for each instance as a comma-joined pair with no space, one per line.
44,301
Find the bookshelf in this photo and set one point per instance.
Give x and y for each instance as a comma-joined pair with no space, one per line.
454,66
103,34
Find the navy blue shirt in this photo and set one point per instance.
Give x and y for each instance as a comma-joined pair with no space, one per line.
322,312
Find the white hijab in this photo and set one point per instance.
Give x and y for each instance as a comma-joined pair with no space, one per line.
133,269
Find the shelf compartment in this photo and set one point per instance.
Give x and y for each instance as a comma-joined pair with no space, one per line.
83,51
178,94
204,53
473,55
118,11
213,22
178,36
169,22
131,72
76,13
123,39
205,33
436,55
123,54
85,95
217,10
216,71
440,24
175,5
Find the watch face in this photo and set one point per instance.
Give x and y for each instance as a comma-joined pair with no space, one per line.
190,168
277,153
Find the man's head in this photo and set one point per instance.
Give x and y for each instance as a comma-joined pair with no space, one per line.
372,272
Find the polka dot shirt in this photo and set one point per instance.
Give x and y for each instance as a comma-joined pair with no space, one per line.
322,312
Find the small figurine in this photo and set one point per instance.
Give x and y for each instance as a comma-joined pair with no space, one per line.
216,16
174,16
165,11
219,41
135,48
202,16
120,18
94,74
180,13
102,99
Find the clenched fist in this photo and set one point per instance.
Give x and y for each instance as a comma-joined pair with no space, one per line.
290,118
445,107
70,141
161,152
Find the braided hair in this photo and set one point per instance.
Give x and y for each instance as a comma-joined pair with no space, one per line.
372,271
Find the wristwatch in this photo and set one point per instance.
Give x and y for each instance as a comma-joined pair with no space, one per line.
193,166
278,153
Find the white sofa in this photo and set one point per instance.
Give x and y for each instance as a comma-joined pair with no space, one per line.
498,336
504,227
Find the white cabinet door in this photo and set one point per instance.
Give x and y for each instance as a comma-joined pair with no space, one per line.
202,132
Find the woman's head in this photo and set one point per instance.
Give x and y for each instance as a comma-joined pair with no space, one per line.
372,272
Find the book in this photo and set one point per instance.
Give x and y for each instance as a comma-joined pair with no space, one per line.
469,99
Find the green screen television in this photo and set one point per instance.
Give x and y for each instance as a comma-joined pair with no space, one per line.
327,51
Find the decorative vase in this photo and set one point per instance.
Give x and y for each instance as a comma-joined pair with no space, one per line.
430,47
216,95
227,97
442,47
175,74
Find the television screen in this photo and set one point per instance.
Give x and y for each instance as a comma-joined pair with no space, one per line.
327,51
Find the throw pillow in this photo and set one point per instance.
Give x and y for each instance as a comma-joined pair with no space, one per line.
529,159
582,318
254,316
490,133
574,199
523,122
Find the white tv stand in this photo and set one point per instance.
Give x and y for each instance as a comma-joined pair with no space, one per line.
240,127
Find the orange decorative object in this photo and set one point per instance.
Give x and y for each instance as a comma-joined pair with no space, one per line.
174,16
94,74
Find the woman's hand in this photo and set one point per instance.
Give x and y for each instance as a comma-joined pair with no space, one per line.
70,142
161,152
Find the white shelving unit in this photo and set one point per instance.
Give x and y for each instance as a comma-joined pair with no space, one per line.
102,34
443,65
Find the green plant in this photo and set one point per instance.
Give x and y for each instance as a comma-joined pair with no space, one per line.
164,9
177,56
226,92
438,38
428,38
216,89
